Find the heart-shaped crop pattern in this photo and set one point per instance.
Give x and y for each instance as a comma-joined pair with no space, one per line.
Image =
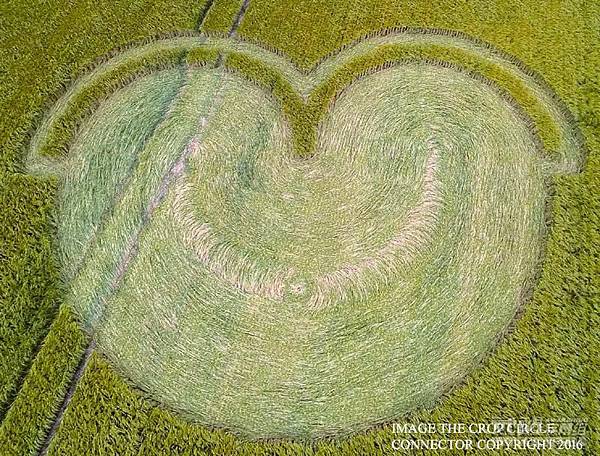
292,254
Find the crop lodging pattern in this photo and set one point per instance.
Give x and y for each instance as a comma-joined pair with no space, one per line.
287,230
305,259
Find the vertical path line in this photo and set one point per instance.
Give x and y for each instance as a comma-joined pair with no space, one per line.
67,399
203,13
122,187
173,173
85,357
238,18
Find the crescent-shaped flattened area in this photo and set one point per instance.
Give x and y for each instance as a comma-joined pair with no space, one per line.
283,297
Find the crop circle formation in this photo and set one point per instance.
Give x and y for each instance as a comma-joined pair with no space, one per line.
285,296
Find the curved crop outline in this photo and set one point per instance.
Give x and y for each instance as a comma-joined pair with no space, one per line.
569,158
305,96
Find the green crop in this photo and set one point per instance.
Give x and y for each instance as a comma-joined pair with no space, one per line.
221,16
544,368
25,425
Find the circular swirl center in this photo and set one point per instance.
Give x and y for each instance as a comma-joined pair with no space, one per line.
297,298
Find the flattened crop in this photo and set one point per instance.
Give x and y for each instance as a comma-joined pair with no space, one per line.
286,291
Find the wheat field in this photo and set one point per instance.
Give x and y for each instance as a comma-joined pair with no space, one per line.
275,295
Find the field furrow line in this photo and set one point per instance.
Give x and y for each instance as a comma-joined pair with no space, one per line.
238,18
121,190
174,172
67,399
203,14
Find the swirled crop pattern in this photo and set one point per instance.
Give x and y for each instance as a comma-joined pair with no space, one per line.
281,295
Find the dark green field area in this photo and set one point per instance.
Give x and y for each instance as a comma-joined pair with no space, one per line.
546,367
